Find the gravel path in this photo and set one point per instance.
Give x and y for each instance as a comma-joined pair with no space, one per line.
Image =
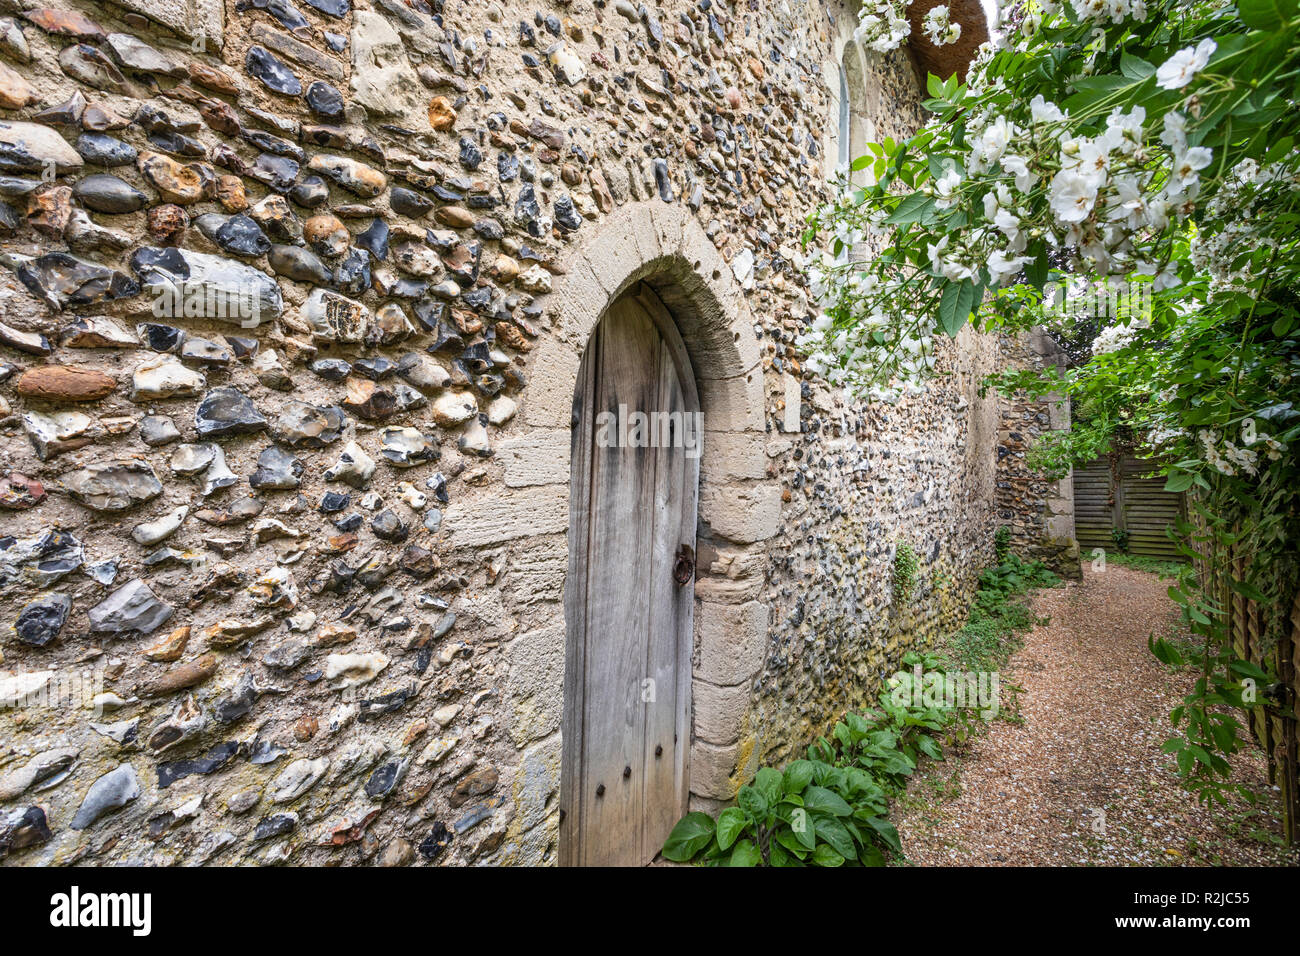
1094,709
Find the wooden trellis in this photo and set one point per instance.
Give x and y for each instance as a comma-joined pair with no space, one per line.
1276,720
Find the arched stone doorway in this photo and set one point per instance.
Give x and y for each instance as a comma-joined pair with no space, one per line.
664,246
660,253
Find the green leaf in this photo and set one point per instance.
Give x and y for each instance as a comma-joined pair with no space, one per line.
778,856
871,856
1246,590
824,855
833,832
915,207
745,854
939,165
1247,669
768,782
955,305
1265,14
887,831
929,747
1036,272
731,823
1134,67
1164,652
804,829
752,802
691,835
1179,481
819,798
1107,82
798,774
1278,149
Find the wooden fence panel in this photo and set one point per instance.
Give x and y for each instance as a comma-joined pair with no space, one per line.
1148,510
1110,499
1093,507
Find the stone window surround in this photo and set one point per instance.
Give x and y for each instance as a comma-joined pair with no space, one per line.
849,67
665,246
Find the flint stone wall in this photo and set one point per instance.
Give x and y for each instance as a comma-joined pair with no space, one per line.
1037,510
304,544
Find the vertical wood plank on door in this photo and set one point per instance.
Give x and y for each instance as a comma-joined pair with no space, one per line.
618,600
672,604
575,603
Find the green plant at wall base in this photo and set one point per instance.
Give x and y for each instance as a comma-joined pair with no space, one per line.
809,814
889,743
904,574
997,617
1120,537
1161,567
1001,543
1012,576
830,809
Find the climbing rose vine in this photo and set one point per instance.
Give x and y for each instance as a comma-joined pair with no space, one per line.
1149,147
940,30
883,25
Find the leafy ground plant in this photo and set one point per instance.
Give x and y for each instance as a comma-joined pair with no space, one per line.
830,809
998,617
810,814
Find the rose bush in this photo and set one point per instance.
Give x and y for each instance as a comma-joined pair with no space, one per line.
1151,146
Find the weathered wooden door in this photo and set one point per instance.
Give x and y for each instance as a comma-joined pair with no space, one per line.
629,595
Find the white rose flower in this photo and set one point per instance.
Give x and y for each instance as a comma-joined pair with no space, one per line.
1177,71
945,186
996,137
1187,166
1072,196
1042,111
1175,132
1017,166
1004,268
